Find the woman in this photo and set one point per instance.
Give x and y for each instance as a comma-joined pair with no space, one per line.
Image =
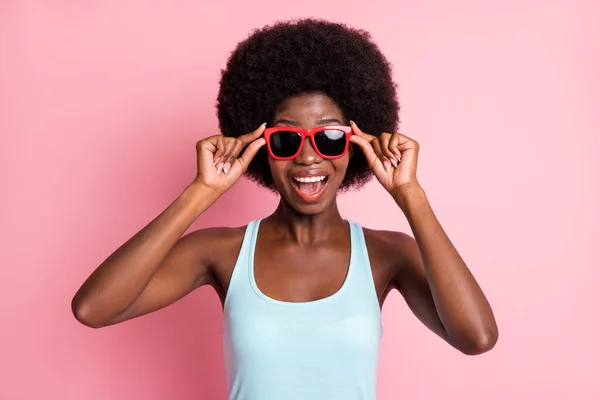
301,289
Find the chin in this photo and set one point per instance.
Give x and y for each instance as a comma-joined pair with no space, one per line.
308,210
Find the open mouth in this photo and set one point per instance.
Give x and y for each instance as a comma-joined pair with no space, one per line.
311,187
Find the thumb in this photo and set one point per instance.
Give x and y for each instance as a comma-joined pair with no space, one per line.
244,160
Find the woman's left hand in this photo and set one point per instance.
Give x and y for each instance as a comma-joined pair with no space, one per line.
392,157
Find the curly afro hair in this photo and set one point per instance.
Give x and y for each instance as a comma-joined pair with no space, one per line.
303,56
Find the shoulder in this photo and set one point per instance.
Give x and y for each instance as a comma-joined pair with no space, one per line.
218,233
398,251
215,242
387,242
218,248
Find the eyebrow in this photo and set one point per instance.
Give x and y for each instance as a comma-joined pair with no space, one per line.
296,123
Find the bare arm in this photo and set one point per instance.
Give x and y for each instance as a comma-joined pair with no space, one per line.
437,284
432,276
151,270
157,266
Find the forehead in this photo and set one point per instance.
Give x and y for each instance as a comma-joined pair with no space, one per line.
308,106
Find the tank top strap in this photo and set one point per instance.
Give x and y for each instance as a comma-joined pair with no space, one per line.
362,263
239,284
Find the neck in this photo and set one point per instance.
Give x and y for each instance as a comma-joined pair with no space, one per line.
306,229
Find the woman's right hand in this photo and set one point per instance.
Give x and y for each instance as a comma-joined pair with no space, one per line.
220,164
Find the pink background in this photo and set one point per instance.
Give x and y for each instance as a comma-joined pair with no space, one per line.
102,102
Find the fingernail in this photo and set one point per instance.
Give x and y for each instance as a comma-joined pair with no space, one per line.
394,162
263,124
217,160
352,122
219,169
386,165
226,167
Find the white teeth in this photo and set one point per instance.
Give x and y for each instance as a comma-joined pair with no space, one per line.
310,179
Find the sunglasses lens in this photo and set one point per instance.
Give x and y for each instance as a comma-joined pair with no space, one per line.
285,143
331,142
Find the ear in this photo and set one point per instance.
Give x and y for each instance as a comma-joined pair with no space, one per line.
351,149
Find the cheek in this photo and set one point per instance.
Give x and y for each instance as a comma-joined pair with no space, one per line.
277,169
341,165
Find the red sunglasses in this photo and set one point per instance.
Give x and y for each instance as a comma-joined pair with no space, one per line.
285,142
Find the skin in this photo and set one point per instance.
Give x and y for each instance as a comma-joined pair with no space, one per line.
158,266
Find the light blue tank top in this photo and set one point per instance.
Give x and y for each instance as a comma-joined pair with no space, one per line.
325,349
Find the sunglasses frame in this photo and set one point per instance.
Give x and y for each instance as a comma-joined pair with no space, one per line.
310,133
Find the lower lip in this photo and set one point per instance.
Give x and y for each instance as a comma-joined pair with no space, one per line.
309,198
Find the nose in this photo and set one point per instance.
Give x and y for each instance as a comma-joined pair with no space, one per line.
308,155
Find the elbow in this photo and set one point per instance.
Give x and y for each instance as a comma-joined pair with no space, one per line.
85,315
480,344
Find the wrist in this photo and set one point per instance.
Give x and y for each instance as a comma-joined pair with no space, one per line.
199,196
408,195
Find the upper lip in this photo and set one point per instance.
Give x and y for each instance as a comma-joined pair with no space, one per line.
309,174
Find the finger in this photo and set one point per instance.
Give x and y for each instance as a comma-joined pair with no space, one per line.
379,149
241,163
230,144
394,146
357,131
387,164
405,143
252,136
384,142
233,155
408,148
372,159
220,149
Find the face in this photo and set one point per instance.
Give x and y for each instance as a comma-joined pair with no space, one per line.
308,182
